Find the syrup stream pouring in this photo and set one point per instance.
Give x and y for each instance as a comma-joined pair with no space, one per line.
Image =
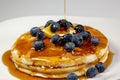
65,9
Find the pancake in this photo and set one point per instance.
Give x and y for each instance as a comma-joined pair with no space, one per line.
54,61
60,72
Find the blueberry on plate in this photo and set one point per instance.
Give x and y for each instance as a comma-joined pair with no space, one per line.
34,31
55,27
100,66
48,23
79,28
55,39
38,45
85,34
91,72
95,41
69,46
40,35
77,40
72,76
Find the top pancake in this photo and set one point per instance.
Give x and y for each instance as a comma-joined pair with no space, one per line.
56,56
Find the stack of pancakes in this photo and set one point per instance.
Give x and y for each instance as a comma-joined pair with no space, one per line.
54,61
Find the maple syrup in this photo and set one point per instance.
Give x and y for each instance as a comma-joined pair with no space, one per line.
64,9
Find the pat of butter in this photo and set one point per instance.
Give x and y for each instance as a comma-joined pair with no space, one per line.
48,32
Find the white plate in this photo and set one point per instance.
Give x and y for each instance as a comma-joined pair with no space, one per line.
10,30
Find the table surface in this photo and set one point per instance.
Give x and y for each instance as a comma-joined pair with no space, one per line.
89,8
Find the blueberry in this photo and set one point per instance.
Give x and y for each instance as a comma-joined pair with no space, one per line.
48,23
69,46
72,76
34,31
79,28
68,24
77,39
40,35
100,66
64,23
95,41
85,34
38,45
91,72
62,42
67,38
55,39
55,27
